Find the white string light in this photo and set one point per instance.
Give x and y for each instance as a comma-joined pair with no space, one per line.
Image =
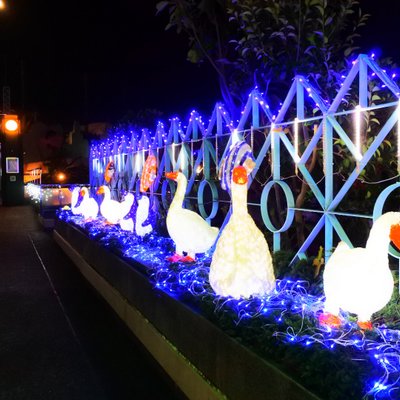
398,138
357,140
296,141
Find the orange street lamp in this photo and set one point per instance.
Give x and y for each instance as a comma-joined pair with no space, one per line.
10,124
61,177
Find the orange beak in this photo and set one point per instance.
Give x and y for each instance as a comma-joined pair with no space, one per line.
172,175
100,190
395,235
82,193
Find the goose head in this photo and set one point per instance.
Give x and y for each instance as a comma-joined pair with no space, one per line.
395,235
100,190
172,175
239,175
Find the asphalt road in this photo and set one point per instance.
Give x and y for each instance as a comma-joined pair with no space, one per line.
58,338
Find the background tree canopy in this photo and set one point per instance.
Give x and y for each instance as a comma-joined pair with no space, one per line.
265,43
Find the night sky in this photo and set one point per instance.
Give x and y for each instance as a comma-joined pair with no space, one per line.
97,61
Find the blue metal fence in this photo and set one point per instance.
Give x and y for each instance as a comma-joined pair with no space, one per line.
307,128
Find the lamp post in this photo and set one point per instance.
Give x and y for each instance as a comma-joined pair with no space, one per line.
12,183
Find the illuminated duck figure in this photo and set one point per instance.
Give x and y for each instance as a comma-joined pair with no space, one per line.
74,200
88,207
142,214
359,280
190,232
241,264
113,211
125,223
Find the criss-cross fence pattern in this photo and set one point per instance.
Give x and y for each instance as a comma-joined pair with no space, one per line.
286,147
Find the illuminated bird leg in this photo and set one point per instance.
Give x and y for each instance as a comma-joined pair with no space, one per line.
177,256
329,319
364,321
366,326
189,258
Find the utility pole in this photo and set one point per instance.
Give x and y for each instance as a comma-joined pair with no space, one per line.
6,99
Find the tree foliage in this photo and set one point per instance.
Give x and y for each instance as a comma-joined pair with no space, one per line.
266,42
206,25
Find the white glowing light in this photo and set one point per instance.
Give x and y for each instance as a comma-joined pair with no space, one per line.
398,138
272,136
11,125
182,159
296,141
33,191
358,133
137,162
173,153
235,137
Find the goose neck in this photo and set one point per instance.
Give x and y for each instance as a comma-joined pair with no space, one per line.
239,199
179,193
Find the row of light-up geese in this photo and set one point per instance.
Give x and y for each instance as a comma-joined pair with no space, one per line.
114,212
357,280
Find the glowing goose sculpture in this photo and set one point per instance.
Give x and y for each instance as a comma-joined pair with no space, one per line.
190,232
241,264
88,207
74,200
113,211
359,280
142,214
127,224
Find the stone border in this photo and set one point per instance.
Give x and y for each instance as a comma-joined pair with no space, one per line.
203,361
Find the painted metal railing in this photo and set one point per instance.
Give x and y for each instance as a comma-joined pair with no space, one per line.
286,141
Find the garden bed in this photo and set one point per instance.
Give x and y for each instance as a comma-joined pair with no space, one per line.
256,348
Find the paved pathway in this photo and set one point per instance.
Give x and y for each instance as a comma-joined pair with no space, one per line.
58,339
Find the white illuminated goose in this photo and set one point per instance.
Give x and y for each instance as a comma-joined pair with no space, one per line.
113,211
190,232
359,280
74,200
88,207
241,264
142,214
126,206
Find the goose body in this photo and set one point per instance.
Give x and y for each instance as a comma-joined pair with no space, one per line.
88,207
142,214
113,211
74,200
127,224
190,232
358,280
241,264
